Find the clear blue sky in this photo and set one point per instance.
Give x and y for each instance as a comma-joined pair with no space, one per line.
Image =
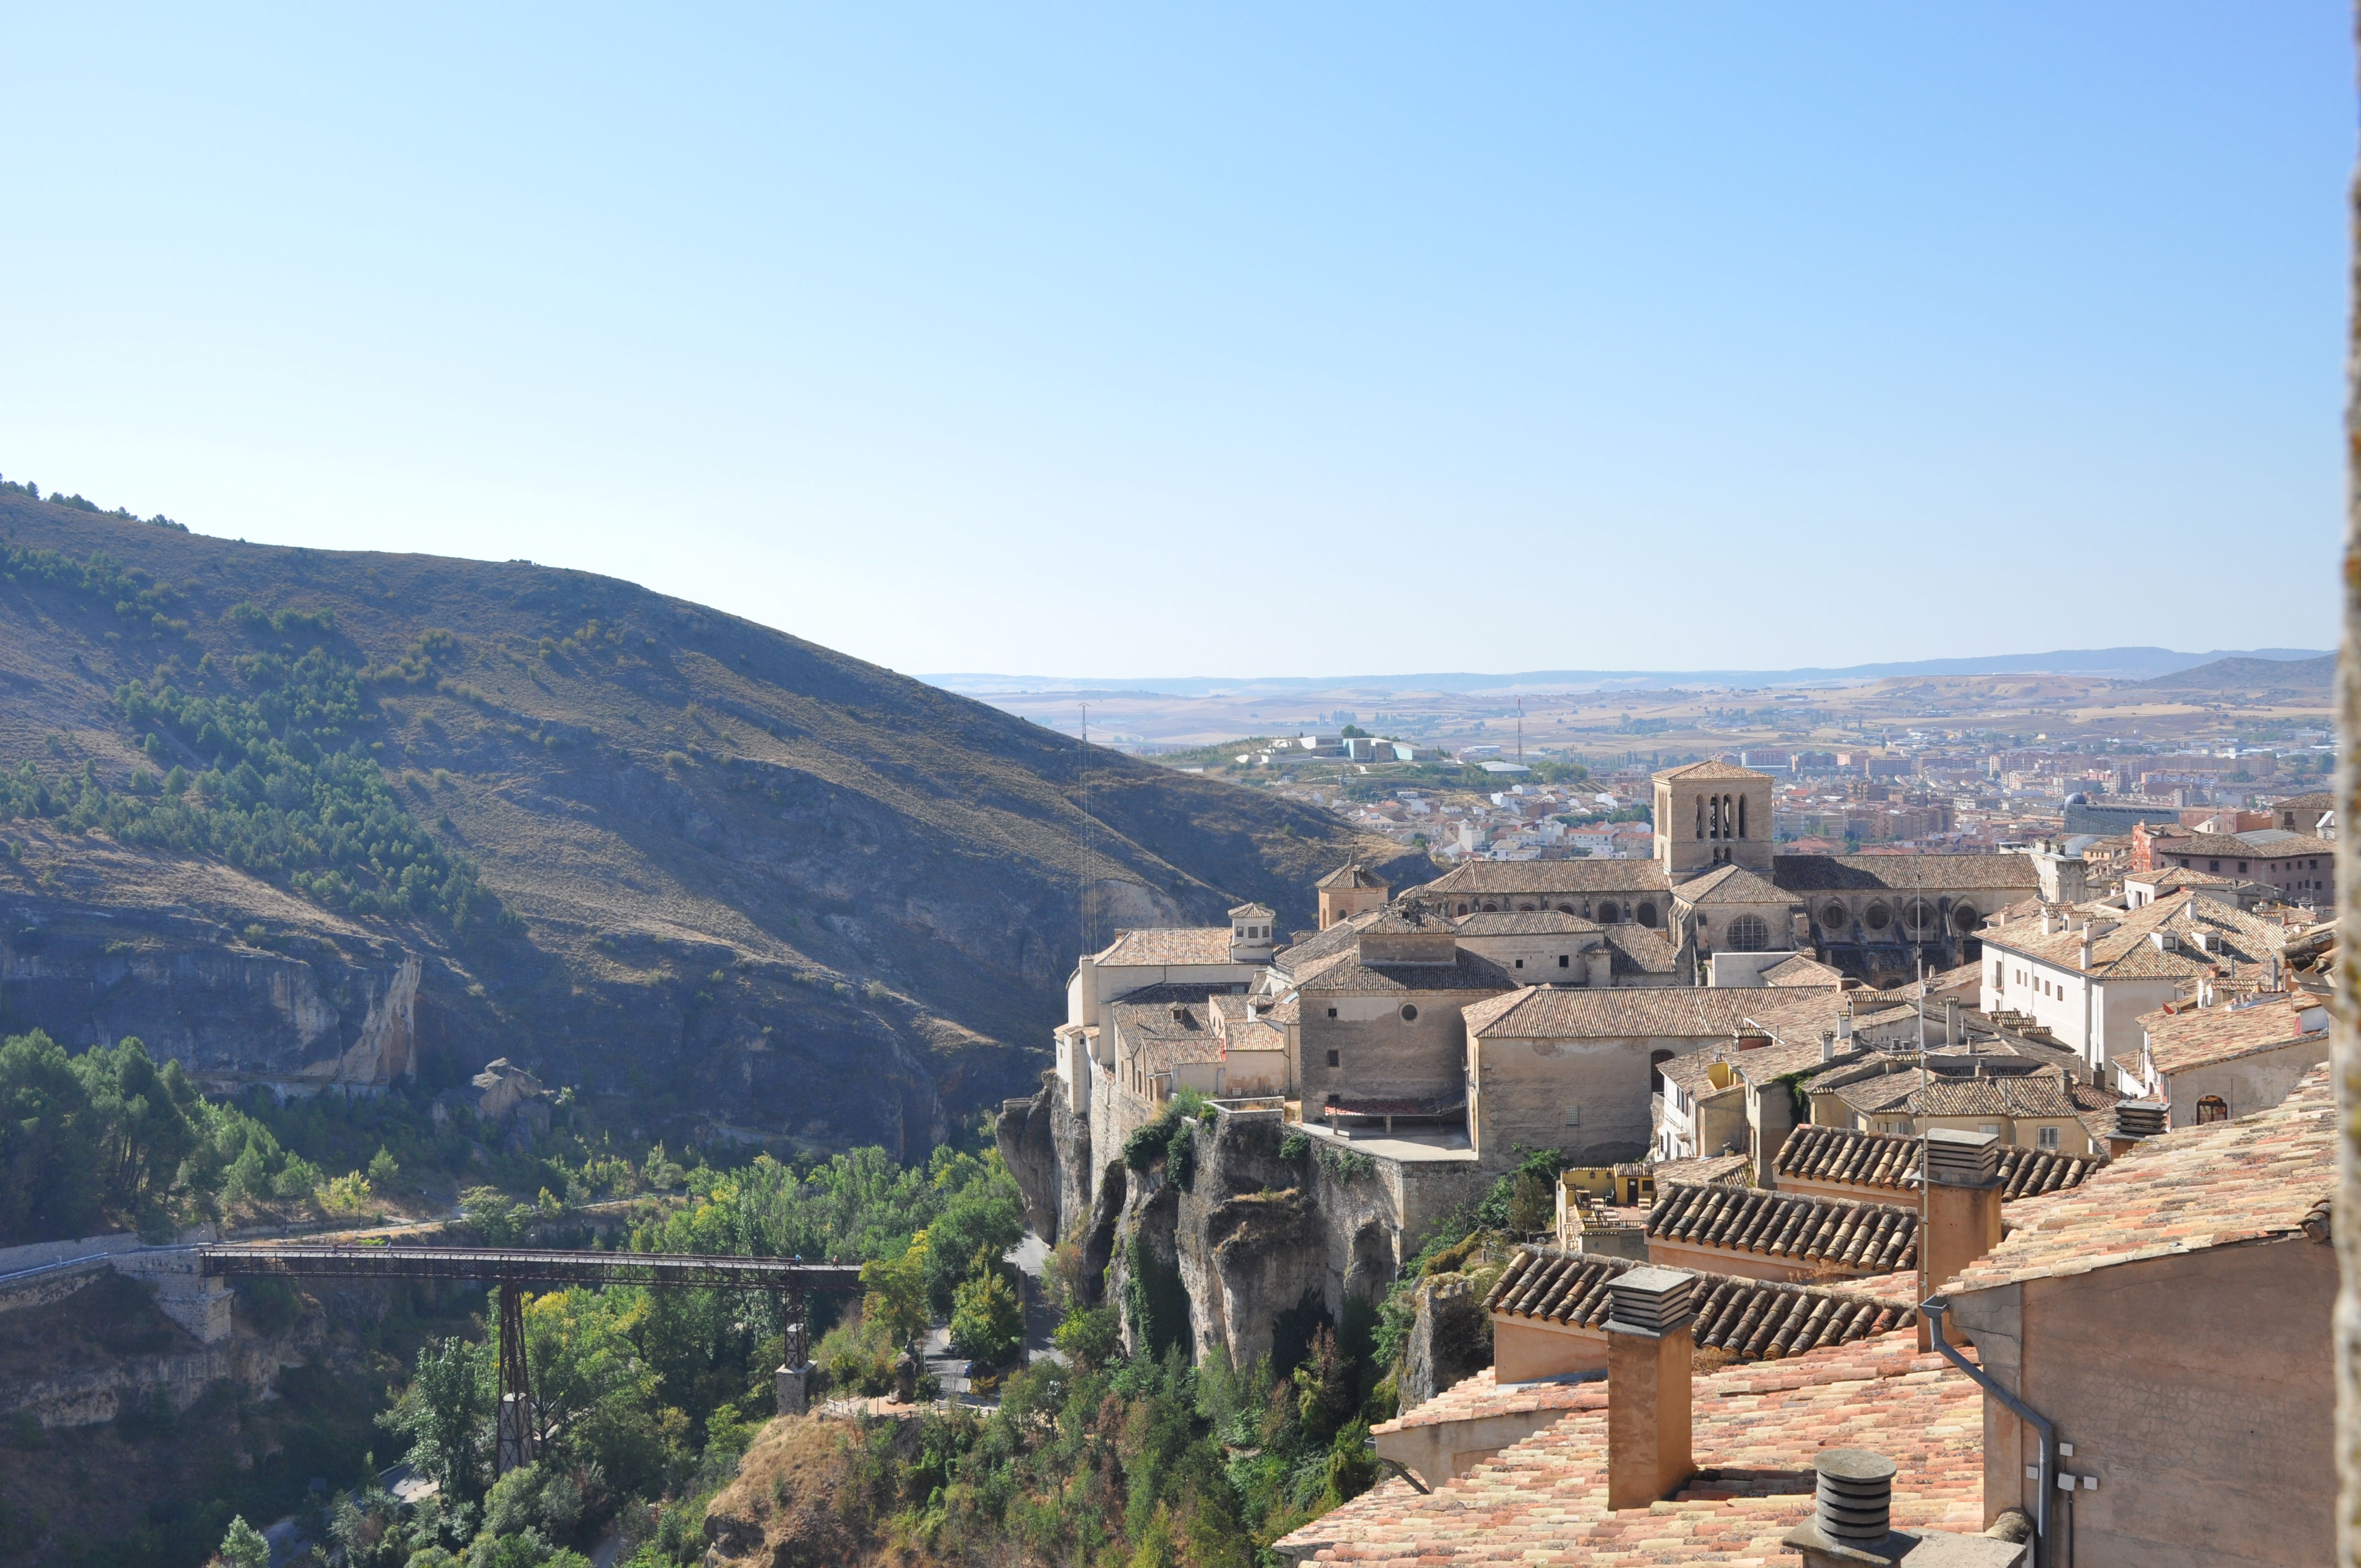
1123,340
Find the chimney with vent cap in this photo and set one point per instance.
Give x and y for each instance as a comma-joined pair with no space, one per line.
1648,1346
2135,1120
1852,1524
1962,1180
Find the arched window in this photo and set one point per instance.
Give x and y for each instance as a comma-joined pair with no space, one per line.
1646,913
1748,935
1608,913
1700,832
1741,817
1657,1059
2213,1108
1564,908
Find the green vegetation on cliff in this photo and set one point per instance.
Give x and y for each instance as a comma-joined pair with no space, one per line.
284,786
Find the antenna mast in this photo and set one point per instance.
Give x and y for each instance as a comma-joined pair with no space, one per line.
1082,871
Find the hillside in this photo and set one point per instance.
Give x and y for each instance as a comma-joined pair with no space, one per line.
715,876
2250,677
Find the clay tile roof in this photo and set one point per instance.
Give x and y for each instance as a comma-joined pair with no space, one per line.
2253,1179
1350,874
1872,1238
1883,1163
1522,923
1410,920
1723,1168
1947,874
1169,945
1758,1320
2201,1037
1481,1396
1337,938
1802,970
1344,973
1547,879
1729,884
1641,949
1757,1427
1244,910
1537,1013
1701,773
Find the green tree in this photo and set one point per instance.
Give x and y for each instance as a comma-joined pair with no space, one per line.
446,1414
986,1214
382,1169
987,1320
895,1298
244,1547
51,1187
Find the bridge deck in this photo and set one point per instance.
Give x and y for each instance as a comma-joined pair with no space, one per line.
525,1266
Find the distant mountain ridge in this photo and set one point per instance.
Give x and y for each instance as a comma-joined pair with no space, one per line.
2253,673
2117,663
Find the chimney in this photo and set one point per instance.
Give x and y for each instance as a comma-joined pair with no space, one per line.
1648,1346
2082,955
1854,1502
1828,1045
1852,1524
2135,1120
1951,1032
1962,1209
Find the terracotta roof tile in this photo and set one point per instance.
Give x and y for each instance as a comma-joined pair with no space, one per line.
1757,1428
1541,1012
1729,884
1874,1238
1759,1319
2216,1185
1903,873
2199,1037
1539,879
1344,973
1523,923
1169,945
1883,1163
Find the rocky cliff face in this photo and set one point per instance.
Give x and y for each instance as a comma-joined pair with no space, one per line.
322,1013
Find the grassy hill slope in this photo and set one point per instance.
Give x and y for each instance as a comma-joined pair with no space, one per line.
709,870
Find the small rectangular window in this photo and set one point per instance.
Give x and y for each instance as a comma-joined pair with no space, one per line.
2050,1139
1520,963
1573,1116
1331,1059
1562,960
1332,1013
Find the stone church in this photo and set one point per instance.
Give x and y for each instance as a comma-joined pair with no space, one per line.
1716,884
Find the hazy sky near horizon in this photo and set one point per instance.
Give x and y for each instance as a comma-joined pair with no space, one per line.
1221,339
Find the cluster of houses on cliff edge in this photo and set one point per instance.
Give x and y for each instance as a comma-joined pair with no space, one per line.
1733,1017
1699,1004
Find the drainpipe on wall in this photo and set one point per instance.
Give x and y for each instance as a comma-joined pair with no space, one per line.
1933,1307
